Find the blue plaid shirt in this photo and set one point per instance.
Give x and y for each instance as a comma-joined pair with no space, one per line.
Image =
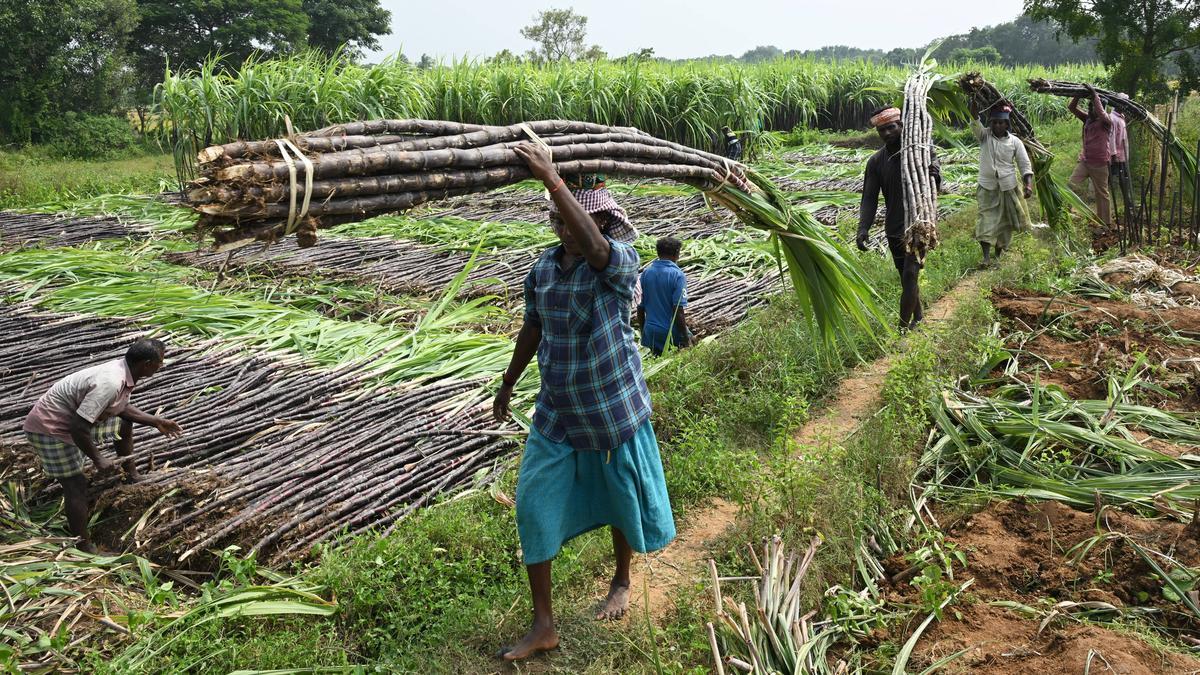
593,393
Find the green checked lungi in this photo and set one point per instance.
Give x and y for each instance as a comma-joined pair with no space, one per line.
63,460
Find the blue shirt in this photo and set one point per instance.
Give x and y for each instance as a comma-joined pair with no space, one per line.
593,393
664,287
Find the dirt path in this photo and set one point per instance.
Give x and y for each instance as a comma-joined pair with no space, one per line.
684,561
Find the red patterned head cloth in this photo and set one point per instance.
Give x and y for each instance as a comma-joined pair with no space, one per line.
598,201
885,116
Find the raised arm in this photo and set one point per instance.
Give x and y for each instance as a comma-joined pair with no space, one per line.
1098,107
581,225
1074,108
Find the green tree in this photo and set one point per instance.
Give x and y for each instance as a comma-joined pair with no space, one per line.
354,24
1135,37
761,53
559,34
184,33
505,56
986,54
61,55
594,53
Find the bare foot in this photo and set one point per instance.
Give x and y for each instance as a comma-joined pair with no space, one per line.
87,546
132,475
536,641
616,604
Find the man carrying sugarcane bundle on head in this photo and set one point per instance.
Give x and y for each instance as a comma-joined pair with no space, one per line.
1095,156
81,411
1002,159
883,175
591,459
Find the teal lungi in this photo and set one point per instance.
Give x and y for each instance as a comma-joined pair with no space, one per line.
563,493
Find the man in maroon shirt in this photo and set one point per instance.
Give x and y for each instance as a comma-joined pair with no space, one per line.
1096,154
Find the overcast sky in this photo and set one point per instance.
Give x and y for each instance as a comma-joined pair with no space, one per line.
679,29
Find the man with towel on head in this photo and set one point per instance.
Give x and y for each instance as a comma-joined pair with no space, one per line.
591,459
1002,158
883,174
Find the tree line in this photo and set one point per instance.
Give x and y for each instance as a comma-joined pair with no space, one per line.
94,57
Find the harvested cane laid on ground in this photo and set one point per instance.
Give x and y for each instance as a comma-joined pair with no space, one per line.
268,189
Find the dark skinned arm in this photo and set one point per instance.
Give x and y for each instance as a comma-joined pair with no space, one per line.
641,316
527,344
165,426
868,206
579,223
81,434
1098,107
1074,108
681,327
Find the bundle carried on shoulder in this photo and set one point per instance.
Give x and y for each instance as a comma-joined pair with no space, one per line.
916,161
267,189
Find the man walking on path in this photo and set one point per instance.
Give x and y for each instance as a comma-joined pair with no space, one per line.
1095,156
664,297
1118,170
81,411
883,174
591,459
1002,158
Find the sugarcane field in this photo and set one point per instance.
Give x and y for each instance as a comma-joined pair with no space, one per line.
363,337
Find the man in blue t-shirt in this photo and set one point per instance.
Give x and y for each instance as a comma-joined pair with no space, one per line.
664,297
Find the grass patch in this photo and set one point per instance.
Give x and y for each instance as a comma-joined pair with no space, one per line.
31,176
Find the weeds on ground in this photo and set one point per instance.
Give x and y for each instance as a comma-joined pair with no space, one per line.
31,176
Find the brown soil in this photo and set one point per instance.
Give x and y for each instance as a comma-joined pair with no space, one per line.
122,506
1112,335
1029,310
680,563
1019,551
1001,642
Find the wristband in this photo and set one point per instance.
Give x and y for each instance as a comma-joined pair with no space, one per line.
557,185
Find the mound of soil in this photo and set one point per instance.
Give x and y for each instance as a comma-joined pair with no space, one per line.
1113,335
1022,551
122,506
1001,642
1029,310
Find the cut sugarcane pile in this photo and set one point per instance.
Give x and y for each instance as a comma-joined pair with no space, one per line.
265,189
916,157
268,189
278,455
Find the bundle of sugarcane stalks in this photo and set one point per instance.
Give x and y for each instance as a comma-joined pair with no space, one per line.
268,189
916,159
1051,194
1181,156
